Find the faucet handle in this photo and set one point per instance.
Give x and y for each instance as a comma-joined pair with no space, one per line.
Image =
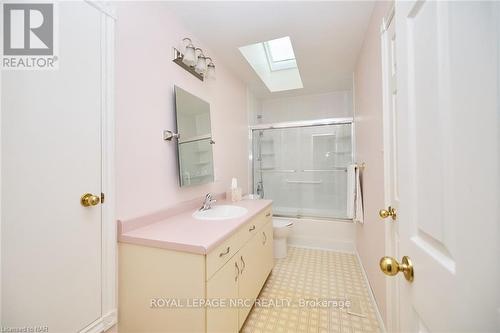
207,202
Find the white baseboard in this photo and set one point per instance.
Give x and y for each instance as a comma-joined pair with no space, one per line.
372,296
332,235
322,244
102,324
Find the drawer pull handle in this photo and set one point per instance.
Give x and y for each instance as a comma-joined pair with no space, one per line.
252,228
268,214
265,238
222,254
237,271
244,265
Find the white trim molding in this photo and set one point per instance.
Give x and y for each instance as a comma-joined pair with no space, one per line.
104,7
102,324
1,223
304,123
372,296
387,20
109,242
391,293
333,235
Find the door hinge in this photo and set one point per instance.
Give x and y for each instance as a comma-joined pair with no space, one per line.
102,198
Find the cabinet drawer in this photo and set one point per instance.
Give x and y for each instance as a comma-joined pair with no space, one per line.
222,253
252,227
266,215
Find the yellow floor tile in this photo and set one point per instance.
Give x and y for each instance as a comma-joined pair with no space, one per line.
315,275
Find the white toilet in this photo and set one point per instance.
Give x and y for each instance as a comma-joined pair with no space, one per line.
281,230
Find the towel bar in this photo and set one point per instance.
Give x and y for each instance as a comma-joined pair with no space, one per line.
304,181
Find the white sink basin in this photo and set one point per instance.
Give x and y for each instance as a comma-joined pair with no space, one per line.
220,212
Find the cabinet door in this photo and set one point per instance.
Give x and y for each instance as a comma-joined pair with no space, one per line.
250,261
224,285
266,248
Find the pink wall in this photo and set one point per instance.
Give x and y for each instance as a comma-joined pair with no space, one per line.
369,149
147,177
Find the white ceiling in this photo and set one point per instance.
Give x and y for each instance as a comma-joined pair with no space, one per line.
326,37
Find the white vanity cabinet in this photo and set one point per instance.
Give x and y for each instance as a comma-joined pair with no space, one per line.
256,260
234,270
224,284
245,272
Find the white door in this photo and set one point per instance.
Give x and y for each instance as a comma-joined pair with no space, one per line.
51,155
448,149
391,191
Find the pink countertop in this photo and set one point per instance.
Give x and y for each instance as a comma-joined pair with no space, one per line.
179,230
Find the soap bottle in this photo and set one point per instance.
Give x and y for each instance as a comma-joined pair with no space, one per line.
234,194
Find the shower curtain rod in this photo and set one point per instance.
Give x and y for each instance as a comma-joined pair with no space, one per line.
303,123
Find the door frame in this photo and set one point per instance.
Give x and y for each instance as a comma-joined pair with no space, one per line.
392,294
109,312
108,221
1,321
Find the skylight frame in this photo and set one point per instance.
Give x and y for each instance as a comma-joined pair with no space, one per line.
277,65
277,80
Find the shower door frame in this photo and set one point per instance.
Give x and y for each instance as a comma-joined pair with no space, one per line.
297,124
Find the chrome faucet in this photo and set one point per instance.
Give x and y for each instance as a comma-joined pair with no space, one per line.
207,203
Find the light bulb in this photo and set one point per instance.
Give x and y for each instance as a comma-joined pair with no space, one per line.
201,65
189,57
210,73
183,44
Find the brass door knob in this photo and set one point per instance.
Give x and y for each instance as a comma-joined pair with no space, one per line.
89,199
391,267
389,212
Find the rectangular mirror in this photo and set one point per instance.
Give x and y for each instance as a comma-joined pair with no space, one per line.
195,139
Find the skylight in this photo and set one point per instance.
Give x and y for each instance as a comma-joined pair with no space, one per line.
274,62
280,54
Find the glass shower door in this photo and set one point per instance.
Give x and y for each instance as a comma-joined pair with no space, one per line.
326,153
303,169
275,162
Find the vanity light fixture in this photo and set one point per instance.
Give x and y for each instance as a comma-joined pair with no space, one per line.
189,51
201,65
210,73
193,60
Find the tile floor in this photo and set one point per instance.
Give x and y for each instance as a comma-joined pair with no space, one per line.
314,275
